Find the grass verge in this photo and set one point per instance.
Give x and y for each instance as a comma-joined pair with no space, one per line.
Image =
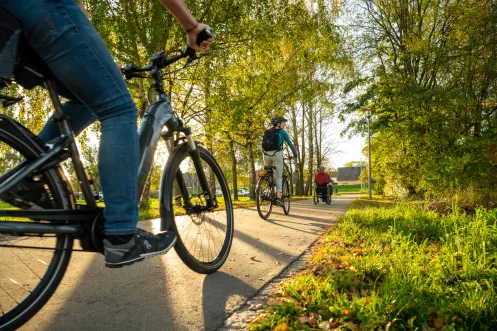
389,266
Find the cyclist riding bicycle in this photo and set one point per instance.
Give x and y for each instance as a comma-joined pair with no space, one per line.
272,145
62,35
322,178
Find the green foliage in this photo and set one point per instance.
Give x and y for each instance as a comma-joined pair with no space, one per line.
432,89
268,58
397,266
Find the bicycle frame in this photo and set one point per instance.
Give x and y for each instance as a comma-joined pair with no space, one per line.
158,115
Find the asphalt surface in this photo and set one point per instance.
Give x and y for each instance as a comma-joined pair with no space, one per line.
161,293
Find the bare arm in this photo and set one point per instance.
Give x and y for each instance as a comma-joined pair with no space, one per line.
179,9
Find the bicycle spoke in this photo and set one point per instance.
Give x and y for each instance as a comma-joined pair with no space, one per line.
8,294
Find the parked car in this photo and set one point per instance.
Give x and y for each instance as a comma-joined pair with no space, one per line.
98,195
243,192
219,192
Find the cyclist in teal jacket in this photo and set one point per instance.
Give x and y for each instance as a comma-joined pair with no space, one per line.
275,157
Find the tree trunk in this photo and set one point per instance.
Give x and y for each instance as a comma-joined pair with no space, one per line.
310,169
144,203
318,136
233,170
297,147
253,177
301,190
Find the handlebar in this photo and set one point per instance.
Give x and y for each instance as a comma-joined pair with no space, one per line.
159,60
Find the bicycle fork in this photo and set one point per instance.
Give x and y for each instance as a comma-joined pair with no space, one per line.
202,178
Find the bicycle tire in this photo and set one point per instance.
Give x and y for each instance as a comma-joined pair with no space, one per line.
28,146
286,197
173,167
263,193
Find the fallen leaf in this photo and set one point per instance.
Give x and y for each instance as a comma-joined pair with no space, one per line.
346,311
324,325
315,315
312,321
437,322
303,319
334,322
271,302
281,327
352,326
252,257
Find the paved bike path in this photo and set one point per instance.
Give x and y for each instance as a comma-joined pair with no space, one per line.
161,293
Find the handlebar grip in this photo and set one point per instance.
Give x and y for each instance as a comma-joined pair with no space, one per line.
202,36
205,34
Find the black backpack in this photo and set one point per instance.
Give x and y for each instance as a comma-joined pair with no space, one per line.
270,140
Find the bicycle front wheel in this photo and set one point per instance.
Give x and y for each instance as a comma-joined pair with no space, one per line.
204,236
264,201
31,264
286,197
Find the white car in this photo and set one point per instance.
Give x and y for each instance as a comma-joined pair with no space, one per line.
243,192
219,192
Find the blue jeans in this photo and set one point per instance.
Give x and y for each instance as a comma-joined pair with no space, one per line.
69,44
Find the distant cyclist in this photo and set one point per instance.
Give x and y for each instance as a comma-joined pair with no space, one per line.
62,35
272,145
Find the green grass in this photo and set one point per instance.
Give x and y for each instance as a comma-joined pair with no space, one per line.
389,266
349,188
6,206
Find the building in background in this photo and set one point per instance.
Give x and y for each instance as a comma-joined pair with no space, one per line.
349,175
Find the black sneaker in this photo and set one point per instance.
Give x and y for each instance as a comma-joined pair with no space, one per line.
279,202
28,194
142,245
